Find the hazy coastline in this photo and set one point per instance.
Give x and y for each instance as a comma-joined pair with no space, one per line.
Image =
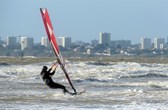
31,60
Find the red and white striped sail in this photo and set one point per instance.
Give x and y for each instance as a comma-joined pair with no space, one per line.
49,30
52,39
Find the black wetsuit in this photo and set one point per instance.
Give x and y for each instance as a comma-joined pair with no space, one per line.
46,76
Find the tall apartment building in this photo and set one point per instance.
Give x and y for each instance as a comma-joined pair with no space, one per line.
104,38
45,42
26,42
68,42
146,43
159,43
11,41
64,41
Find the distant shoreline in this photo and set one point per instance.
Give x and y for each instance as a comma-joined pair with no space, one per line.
32,60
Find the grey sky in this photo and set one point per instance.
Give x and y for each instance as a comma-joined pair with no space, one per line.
84,19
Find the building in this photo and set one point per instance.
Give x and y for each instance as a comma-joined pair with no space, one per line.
159,43
64,42
26,42
0,41
104,38
60,41
45,42
123,43
67,42
79,43
88,51
94,42
11,41
145,43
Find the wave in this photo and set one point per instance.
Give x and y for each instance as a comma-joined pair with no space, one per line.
4,64
91,80
148,75
98,63
160,85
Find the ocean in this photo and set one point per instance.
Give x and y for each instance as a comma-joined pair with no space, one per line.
112,86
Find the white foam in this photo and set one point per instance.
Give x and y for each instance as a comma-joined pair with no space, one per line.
107,87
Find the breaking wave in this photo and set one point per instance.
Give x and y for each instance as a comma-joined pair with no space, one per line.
148,75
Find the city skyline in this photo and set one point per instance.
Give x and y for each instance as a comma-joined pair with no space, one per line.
125,20
26,45
104,38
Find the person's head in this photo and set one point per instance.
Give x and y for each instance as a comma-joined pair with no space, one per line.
44,68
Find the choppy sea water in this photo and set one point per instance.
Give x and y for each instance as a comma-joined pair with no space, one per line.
116,86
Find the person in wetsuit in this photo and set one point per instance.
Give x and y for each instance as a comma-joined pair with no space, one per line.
47,78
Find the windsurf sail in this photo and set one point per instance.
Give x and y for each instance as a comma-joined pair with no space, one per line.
52,39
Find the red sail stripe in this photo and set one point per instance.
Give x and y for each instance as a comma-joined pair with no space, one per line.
49,30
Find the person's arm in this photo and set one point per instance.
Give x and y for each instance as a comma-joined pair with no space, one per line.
53,68
51,73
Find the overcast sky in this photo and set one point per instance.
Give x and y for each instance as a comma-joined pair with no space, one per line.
84,19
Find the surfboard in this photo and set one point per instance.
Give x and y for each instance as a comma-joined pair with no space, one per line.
81,92
78,92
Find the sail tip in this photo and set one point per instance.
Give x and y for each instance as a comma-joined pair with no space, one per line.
43,10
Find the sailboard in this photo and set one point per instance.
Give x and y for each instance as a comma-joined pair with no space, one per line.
78,93
55,47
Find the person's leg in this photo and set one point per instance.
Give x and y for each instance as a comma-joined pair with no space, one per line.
63,87
54,85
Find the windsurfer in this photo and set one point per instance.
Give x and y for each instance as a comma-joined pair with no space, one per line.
47,78
55,47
